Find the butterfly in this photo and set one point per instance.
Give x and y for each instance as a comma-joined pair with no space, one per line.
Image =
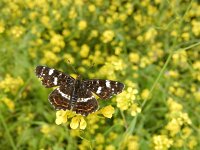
76,94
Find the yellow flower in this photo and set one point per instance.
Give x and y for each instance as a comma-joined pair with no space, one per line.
177,117
193,142
180,58
2,27
174,33
85,49
178,143
135,109
150,34
9,103
197,96
107,111
78,121
118,50
66,33
91,8
144,61
186,36
45,21
47,129
196,65
126,98
185,118
68,57
172,74
119,65
107,36
61,116
82,25
57,40
100,139
174,106
17,31
196,27
85,144
83,123
50,58
162,142
180,92
72,13
134,57
131,142
145,94
93,34
174,127
110,147
79,2
75,122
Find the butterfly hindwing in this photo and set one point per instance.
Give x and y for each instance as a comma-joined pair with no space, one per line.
60,98
104,88
86,102
52,77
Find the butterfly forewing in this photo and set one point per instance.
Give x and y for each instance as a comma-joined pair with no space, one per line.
104,88
52,77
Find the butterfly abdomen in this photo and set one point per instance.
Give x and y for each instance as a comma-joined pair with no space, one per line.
74,97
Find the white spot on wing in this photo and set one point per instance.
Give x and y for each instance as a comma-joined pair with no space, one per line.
51,71
41,73
108,83
84,99
99,90
63,94
55,81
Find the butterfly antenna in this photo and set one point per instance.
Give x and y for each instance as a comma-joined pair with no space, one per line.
68,61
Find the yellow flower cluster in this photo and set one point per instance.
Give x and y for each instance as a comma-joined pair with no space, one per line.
9,103
2,26
162,142
107,36
84,50
177,117
57,42
11,84
49,58
126,101
17,31
47,129
78,121
131,143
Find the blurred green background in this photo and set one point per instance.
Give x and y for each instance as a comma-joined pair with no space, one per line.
152,46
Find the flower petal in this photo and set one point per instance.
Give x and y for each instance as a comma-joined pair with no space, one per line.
75,122
83,123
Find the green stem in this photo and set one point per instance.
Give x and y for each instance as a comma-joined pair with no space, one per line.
7,131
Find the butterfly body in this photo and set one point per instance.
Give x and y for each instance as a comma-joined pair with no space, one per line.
76,94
